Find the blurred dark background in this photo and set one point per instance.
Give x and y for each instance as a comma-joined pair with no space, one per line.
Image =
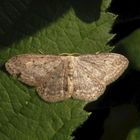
128,18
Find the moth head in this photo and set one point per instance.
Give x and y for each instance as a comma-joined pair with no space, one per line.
12,66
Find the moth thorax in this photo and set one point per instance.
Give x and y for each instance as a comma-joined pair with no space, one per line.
70,74
70,66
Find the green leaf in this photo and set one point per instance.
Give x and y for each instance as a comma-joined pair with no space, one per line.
130,45
52,28
134,134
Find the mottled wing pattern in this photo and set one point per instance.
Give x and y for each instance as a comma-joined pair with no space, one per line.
32,69
111,65
45,72
86,86
55,88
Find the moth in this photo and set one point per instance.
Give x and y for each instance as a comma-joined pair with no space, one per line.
57,78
